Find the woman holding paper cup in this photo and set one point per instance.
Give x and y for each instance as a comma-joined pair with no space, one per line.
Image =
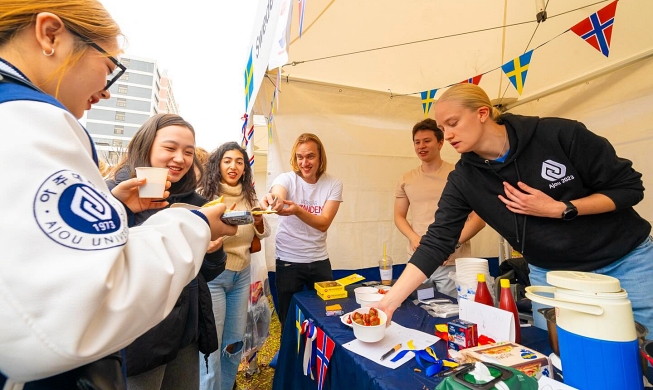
166,142
555,191
76,283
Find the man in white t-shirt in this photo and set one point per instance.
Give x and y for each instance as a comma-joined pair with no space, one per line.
420,190
306,199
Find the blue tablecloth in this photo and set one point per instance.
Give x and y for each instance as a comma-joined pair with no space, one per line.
348,370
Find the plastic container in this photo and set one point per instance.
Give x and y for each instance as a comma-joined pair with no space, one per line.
482,292
596,330
385,268
507,303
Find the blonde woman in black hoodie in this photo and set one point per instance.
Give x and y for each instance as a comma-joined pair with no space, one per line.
556,191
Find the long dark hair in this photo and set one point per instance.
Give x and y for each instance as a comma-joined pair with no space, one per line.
138,151
210,186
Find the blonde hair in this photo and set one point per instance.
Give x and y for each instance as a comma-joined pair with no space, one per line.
201,156
87,18
470,96
303,138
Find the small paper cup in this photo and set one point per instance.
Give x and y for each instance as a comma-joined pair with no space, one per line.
363,290
366,300
155,184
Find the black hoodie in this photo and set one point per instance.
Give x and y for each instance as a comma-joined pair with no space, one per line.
566,161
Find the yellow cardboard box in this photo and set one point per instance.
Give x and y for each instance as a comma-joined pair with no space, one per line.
332,295
334,286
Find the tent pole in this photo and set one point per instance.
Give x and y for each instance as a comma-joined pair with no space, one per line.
579,80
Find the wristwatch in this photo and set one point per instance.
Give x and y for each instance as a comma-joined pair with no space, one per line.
570,212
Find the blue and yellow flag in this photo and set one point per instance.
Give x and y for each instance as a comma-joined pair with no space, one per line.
427,100
517,69
299,319
249,80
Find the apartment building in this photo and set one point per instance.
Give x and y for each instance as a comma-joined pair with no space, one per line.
142,91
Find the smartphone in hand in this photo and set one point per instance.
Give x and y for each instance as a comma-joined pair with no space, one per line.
237,218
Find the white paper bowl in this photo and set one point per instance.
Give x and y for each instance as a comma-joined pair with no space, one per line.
385,289
363,290
370,334
366,300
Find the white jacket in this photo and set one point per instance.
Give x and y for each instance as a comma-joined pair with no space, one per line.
75,282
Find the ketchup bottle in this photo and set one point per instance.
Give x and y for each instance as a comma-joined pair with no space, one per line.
507,303
482,293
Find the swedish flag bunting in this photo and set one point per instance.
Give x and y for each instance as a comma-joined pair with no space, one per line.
427,100
299,320
325,347
249,79
596,29
517,69
474,80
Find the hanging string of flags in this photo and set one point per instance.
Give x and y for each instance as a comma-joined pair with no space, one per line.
302,7
596,30
318,347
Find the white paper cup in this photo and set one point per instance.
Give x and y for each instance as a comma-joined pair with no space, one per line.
366,300
370,334
155,185
358,291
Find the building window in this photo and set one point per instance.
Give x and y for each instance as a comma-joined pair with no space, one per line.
120,116
126,62
122,89
125,76
121,102
117,143
118,129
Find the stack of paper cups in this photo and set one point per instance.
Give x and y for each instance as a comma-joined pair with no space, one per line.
467,268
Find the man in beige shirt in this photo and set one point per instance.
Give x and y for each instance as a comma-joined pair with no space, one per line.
420,190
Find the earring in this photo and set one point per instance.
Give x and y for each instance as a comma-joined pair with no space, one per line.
49,54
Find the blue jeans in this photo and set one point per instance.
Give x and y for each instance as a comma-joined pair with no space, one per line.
635,273
230,293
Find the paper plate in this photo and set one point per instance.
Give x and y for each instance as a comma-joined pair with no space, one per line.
343,319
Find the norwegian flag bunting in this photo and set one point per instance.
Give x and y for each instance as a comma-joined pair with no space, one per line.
325,347
596,29
474,80
516,70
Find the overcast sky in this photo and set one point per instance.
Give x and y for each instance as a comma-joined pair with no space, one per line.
203,45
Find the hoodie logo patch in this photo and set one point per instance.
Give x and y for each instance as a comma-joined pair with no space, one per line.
71,212
553,171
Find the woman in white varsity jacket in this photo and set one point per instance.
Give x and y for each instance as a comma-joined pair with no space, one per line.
76,284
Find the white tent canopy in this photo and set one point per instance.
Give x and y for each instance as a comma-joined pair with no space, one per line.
354,103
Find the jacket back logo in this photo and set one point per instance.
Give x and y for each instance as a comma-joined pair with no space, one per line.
71,212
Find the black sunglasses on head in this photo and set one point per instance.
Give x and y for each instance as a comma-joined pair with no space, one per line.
117,72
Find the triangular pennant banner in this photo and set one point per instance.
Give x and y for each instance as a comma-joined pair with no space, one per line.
325,347
299,319
427,100
474,80
596,29
517,69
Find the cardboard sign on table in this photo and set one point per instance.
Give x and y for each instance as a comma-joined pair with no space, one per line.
494,323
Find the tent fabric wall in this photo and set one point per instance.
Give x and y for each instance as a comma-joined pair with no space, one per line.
351,101
368,143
